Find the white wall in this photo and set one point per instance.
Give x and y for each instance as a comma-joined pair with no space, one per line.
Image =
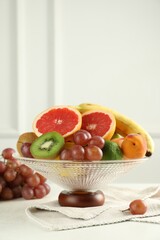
71,51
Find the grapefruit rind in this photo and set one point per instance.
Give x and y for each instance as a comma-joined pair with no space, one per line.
59,124
101,124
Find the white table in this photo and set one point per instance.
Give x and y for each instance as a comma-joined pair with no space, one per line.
14,224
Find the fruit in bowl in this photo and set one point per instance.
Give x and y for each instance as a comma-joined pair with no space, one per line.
134,146
84,147
24,142
85,132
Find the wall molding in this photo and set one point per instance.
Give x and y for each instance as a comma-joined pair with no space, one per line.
53,90
22,14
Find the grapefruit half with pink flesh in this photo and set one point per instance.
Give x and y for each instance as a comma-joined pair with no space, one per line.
63,119
100,123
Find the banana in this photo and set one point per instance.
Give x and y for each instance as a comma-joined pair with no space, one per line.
124,125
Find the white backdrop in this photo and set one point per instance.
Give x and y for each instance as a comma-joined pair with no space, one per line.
72,51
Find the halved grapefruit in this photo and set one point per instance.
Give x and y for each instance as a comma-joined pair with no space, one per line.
63,119
100,123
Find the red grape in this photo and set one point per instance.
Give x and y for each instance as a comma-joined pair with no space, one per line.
18,181
137,207
81,137
42,178
2,167
66,154
93,153
47,187
7,153
12,164
77,152
2,182
97,141
6,194
27,192
9,175
0,188
33,180
25,170
17,191
40,191
25,149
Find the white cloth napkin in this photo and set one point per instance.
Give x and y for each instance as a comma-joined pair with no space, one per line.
54,217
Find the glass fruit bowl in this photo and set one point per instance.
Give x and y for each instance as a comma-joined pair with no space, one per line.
81,180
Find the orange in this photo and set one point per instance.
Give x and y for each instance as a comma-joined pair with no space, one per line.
100,123
63,119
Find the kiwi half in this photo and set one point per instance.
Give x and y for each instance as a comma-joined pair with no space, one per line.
47,146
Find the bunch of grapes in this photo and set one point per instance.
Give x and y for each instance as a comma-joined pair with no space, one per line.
18,180
86,147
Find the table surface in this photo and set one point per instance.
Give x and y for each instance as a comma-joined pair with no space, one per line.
14,224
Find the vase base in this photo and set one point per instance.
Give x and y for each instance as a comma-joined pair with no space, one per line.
81,198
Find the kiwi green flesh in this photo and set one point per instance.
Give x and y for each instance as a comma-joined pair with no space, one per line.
47,146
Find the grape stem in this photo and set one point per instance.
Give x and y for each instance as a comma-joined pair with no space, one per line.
125,210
